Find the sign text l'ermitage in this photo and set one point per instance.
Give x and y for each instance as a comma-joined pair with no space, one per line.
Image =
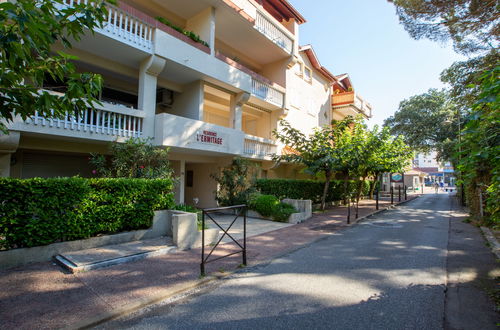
208,137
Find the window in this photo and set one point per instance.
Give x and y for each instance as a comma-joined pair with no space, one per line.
307,74
298,69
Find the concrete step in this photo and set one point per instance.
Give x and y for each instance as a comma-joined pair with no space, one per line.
104,256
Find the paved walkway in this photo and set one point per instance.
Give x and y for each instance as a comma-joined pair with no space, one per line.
41,296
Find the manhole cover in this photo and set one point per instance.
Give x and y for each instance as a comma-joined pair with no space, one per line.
385,224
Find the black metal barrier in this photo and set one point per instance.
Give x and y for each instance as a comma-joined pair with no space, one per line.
242,211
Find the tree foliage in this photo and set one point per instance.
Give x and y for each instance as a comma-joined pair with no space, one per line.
136,158
28,31
472,25
323,152
480,149
425,122
234,182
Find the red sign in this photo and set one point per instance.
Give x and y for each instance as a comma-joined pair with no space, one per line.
208,137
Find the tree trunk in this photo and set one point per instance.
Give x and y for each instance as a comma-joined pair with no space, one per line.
358,194
373,185
347,198
328,177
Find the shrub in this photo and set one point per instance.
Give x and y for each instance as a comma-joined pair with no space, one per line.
282,211
43,211
235,182
264,204
307,189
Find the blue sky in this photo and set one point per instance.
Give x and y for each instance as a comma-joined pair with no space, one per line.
364,38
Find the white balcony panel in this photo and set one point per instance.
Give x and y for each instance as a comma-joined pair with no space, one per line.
195,135
271,30
124,27
257,147
267,93
106,122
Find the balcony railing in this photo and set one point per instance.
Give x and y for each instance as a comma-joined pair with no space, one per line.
273,32
267,93
107,119
123,26
351,98
258,147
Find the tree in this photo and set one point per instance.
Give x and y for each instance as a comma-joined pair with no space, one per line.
234,182
424,122
479,160
322,152
136,158
28,31
472,25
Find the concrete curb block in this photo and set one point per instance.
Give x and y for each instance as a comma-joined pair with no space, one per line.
183,288
495,245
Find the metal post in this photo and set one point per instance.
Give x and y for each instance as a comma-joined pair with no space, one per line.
406,193
348,210
462,193
376,199
422,189
244,236
392,195
399,193
202,265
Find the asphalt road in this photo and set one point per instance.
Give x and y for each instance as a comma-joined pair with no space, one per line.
389,272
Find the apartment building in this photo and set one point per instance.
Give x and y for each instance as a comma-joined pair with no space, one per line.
208,98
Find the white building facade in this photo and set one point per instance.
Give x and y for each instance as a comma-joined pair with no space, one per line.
207,101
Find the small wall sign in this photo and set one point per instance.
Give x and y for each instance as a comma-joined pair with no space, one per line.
396,177
210,137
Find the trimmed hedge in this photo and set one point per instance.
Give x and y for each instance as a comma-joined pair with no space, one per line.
307,189
40,211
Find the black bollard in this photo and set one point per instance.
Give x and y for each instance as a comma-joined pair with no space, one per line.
406,194
392,195
399,193
376,199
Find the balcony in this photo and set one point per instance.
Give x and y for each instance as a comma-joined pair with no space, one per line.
273,32
198,137
350,103
123,26
257,147
107,122
268,92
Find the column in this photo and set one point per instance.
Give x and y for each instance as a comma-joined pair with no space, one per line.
182,181
148,77
236,105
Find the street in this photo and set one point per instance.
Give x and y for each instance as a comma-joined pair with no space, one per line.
388,272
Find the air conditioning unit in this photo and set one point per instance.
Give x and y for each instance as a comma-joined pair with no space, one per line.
166,97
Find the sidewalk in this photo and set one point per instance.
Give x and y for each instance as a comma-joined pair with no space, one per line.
41,296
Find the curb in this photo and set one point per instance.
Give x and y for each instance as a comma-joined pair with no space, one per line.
197,284
494,244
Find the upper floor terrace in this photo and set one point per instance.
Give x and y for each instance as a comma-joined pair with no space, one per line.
350,104
229,57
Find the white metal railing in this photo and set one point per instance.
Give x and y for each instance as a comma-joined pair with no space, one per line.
364,106
123,26
267,92
273,32
255,146
106,120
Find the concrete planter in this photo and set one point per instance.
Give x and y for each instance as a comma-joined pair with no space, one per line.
181,226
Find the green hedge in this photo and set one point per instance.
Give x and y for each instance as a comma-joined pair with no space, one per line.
307,189
43,211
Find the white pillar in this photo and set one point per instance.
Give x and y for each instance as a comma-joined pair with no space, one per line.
182,181
148,76
236,105
5,165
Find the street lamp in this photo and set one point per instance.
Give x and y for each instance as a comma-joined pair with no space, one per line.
448,121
